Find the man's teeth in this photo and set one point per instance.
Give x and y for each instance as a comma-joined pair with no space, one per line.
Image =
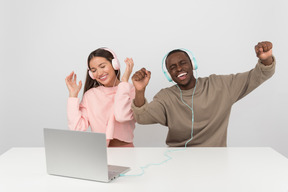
182,74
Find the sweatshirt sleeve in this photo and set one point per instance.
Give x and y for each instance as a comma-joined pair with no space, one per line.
122,103
77,114
151,113
241,84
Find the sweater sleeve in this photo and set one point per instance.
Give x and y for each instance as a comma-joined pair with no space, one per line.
77,114
241,84
151,113
122,103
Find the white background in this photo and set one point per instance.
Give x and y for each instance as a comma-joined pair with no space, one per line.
43,41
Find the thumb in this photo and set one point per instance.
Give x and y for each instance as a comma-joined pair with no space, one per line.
260,51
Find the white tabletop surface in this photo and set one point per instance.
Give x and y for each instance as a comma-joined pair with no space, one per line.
193,169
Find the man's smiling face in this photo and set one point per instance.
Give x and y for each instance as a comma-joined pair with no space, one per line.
180,69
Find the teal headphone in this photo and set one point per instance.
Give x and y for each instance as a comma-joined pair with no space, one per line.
191,56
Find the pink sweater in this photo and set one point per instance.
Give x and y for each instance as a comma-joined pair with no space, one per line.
105,110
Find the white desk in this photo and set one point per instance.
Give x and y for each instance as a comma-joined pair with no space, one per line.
195,169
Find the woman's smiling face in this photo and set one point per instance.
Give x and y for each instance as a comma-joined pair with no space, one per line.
103,71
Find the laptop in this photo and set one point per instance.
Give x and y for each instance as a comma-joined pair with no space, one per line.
79,154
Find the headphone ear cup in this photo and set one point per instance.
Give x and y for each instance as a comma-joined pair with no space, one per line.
194,63
168,77
91,74
115,64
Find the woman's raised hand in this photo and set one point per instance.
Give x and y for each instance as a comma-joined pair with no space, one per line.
129,67
72,85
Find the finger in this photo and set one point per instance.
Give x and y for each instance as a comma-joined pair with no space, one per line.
129,60
69,77
264,46
138,76
80,84
258,49
135,77
74,79
268,45
132,63
143,70
66,81
142,73
148,74
71,74
68,84
128,65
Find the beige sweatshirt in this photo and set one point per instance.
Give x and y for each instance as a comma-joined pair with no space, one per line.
212,102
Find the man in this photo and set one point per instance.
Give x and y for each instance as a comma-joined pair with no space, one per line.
213,97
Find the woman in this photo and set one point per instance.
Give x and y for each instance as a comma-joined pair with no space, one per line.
106,102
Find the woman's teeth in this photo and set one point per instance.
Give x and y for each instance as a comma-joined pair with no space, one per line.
103,77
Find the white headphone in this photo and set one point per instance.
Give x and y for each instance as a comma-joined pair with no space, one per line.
115,62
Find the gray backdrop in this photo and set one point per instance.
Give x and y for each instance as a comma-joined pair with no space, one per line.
43,41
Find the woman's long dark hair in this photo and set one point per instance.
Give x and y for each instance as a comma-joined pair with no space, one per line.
90,83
